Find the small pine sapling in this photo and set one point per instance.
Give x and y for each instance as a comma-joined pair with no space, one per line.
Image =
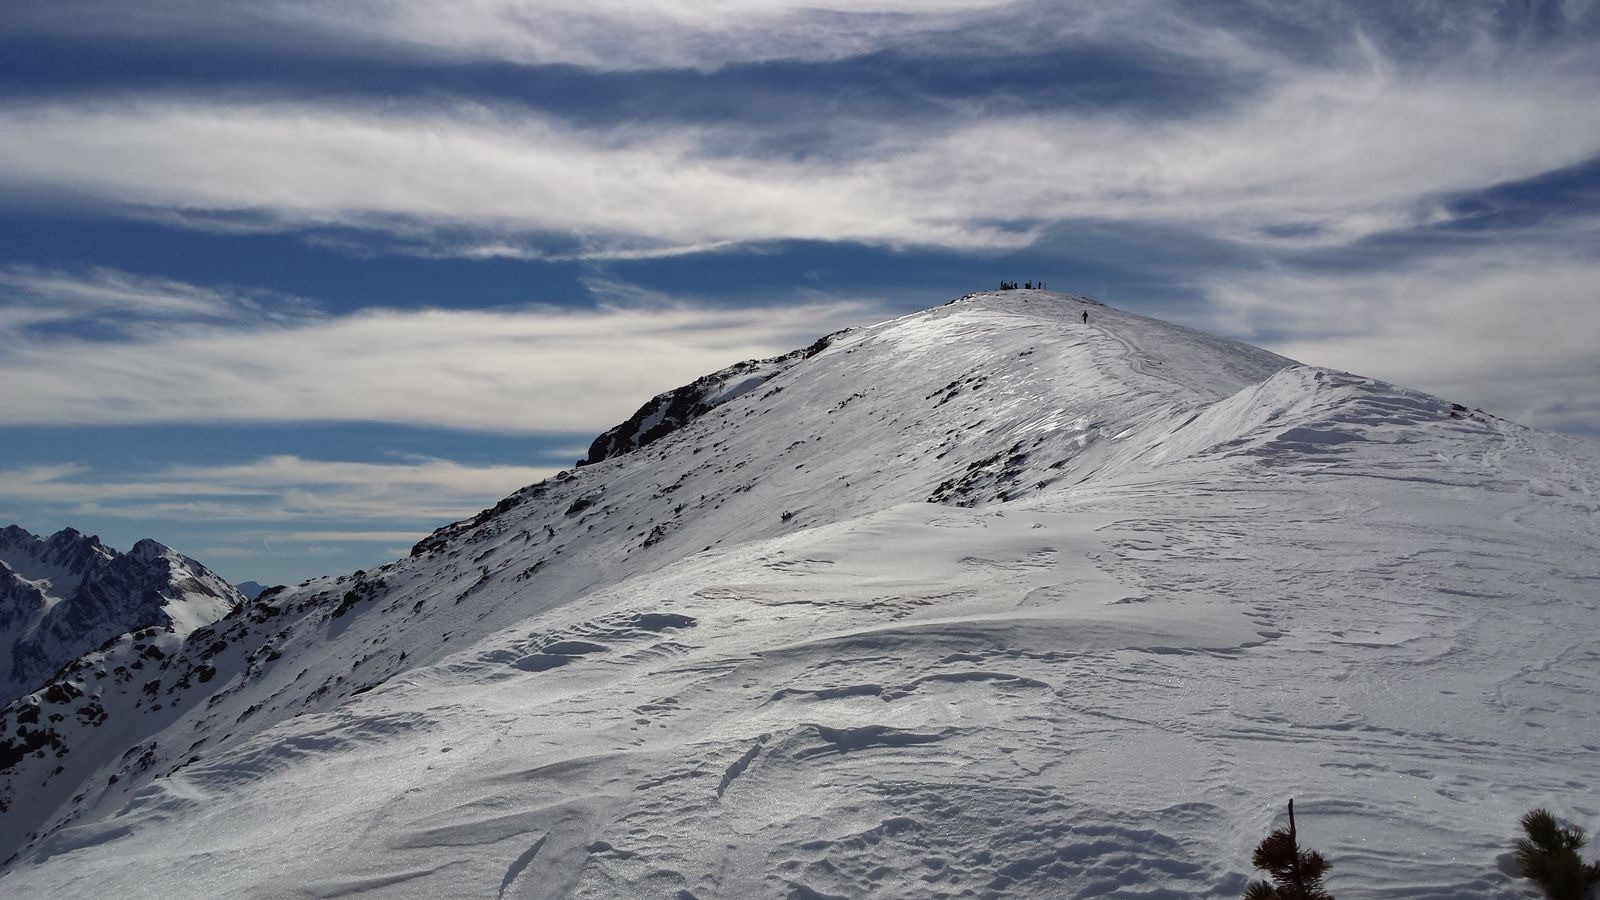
1296,874
1549,855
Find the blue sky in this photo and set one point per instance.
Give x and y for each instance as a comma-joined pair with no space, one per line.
288,284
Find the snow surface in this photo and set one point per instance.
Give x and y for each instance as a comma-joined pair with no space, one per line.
1168,582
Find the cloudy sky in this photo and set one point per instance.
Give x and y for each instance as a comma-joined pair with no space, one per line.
288,283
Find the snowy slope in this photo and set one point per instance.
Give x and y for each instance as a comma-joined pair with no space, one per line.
1167,581
65,595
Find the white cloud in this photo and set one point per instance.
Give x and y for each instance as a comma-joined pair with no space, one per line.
636,34
107,299
277,489
596,34
415,172
1512,331
1321,157
521,370
1333,157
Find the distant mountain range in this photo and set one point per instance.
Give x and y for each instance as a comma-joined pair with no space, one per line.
250,589
65,595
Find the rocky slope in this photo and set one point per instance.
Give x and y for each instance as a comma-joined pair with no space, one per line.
669,411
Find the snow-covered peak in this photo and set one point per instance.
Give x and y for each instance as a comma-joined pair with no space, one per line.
1017,596
58,563
65,595
149,550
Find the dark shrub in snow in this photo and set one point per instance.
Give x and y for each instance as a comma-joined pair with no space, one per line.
1549,855
1296,874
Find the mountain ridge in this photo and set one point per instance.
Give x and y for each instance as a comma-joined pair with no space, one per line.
64,595
670,410
764,596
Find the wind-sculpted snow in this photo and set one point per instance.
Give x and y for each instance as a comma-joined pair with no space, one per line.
1166,583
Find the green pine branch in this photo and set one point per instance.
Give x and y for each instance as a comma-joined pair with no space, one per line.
1549,856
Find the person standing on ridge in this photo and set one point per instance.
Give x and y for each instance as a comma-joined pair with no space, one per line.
1086,317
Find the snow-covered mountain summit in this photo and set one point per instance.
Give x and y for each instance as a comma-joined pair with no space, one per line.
989,600
65,595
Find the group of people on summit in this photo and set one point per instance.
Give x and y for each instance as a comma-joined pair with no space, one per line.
1029,285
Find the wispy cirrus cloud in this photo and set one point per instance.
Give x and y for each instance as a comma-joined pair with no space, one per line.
631,35
1320,158
445,170
274,518
595,34
526,369
1512,330
119,302
1337,121
280,488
